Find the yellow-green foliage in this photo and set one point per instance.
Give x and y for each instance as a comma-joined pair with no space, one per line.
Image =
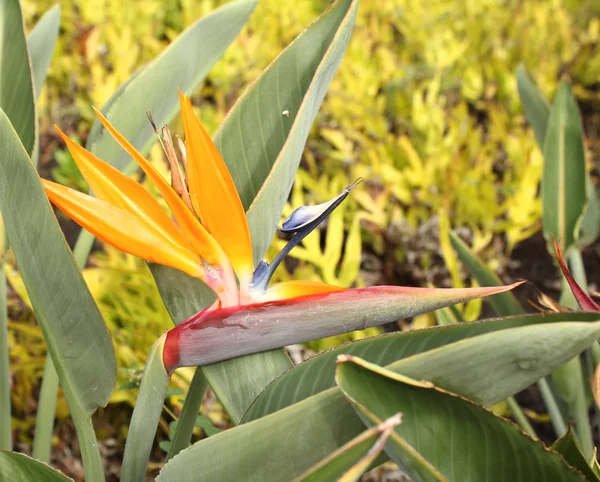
424,107
424,104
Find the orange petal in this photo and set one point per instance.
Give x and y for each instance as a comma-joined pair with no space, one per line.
213,193
114,187
294,289
202,242
122,229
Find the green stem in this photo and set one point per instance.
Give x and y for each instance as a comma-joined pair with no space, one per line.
90,455
5,412
83,247
558,421
44,422
193,400
520,418
146,415
582,419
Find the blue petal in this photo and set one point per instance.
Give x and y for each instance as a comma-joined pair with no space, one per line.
306,215
301,222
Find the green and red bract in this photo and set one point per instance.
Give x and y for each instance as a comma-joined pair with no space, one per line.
216,334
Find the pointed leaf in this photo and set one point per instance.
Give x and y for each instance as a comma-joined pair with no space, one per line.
474,442
293,439
564,178
40,43
184,64
73,328
216,335
316,375
535,104
569,448
16,85
263,136
15,467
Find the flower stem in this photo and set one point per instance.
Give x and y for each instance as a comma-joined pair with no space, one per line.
183,433
5,411
44,422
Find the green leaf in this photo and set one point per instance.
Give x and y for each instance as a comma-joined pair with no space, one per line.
40,42
564,177
569,448
73,328
146,415
316,374
16,467
503,304
352,460
16,87
537,111
184,64
295,438
262,148
535,104
263,136
461,439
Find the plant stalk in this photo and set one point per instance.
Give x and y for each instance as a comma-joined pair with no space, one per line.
569,378
521,418
90,455
146,415
44,422
558,421
5,410
191,406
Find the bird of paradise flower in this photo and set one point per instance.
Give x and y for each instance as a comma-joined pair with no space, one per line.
208,238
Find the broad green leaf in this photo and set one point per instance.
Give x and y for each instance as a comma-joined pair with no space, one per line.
295,438
564,177
73,328
40,43
221,334
569,448
146,415
15,467
535,104
316,374
262,147
461,439
184,64
352,460
503,304
16,87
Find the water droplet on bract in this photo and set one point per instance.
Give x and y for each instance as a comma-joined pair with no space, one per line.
526,363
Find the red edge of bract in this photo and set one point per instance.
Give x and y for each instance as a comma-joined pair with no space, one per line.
584,300
171,356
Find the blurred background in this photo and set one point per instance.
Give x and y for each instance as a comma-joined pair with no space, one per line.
424,107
